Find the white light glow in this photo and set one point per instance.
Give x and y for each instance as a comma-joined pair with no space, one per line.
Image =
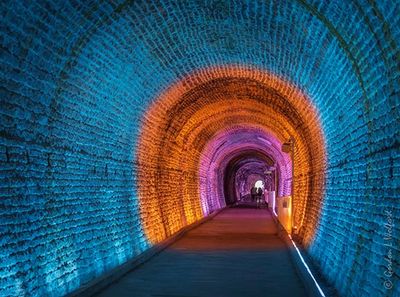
306,266
273,206
264,140
259,184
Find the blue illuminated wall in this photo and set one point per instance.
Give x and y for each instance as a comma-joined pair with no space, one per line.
76,78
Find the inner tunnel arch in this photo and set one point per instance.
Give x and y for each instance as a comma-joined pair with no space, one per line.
234,165
177,137
219,152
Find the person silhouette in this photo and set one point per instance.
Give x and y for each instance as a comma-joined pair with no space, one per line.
259,197
253,193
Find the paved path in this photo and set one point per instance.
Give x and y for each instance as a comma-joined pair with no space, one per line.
237,253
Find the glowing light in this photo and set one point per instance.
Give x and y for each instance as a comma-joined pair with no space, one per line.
218,152
192,130
264,140
259,184
307,268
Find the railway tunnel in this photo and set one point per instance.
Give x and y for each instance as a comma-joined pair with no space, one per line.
124,123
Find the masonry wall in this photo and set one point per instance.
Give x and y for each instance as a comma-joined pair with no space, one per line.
77,77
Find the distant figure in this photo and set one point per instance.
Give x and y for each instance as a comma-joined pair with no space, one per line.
253,193
259,197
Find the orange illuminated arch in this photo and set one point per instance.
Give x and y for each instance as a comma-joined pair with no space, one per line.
182,120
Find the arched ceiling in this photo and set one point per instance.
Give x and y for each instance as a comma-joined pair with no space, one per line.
192,124
247,163
108,105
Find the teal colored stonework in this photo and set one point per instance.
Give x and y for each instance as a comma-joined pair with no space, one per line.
77,77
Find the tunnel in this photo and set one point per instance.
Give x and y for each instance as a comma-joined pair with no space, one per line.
127,124
244,172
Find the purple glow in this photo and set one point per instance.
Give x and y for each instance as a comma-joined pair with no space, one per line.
230,144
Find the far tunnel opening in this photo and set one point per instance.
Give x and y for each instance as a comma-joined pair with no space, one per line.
248,170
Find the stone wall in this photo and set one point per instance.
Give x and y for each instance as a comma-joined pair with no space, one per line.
77,79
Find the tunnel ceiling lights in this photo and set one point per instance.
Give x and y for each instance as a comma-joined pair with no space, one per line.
264,140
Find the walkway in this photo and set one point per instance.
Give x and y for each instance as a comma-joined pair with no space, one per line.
237,253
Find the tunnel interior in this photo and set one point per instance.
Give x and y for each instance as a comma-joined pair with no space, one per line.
124,121
243,172
199,132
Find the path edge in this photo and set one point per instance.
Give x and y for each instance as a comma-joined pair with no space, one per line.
301,270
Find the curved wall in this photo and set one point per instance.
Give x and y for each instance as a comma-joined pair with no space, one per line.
77,79
240,139
182,124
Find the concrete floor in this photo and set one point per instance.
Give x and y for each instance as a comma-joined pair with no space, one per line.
237,253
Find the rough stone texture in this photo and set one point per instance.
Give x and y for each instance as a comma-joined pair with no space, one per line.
182,132
77,77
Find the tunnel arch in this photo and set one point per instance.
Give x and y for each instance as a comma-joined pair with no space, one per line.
77,78
219,152
190,113
234,164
